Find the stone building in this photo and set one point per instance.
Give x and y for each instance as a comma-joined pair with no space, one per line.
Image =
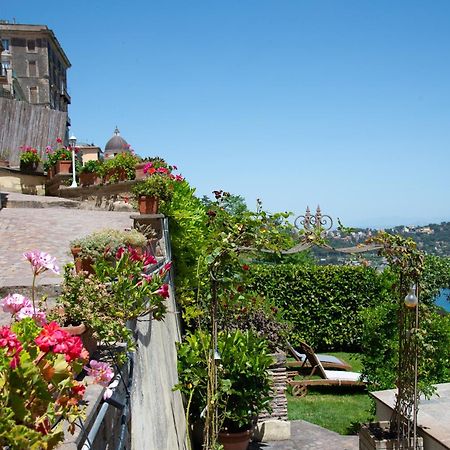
89,152
34,65
117,144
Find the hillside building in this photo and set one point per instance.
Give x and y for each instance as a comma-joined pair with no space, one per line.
33,66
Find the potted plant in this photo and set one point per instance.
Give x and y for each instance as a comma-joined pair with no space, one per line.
88,249
90,173
106,300
59,160
151,191
143,166
29,159
120,168
243,386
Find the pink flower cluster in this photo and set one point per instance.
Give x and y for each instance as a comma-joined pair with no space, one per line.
9,340
53,339
163,291
150,170
146,258
27,148
41,261
100,371
21,307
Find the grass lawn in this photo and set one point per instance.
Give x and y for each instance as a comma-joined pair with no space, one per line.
337,409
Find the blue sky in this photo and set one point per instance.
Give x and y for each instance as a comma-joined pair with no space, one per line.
345,104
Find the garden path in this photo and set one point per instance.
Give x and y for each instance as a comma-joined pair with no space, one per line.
307,436
49,230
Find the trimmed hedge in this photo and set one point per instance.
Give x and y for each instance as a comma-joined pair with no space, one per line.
322,302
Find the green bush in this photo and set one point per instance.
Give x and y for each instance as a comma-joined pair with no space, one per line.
323,303
380,346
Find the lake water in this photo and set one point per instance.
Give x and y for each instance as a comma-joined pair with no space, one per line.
442,300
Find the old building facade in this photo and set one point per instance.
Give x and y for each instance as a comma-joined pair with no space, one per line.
34,65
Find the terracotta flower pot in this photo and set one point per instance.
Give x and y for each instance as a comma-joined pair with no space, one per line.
139,169
117,175
235,441
63,166
148,205
89,178
82,264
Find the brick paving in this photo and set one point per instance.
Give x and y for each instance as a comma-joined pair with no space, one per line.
49,230
307,436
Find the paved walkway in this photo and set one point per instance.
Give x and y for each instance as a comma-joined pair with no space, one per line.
307,436
49,230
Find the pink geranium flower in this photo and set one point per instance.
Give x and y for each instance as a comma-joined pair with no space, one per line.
102,372
41,261
9,340
13,303
163,291
28,311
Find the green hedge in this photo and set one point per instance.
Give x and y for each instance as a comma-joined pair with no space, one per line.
323,303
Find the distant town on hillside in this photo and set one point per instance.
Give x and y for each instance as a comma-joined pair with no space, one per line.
432,239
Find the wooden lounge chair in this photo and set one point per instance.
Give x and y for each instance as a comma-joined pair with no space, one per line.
301,361
327,377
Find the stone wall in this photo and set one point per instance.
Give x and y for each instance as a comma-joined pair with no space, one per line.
12,180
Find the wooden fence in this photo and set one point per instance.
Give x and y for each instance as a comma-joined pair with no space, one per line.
25,124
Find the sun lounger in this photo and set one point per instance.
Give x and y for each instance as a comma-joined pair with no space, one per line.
327,361
327,377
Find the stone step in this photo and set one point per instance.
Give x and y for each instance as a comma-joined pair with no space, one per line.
14,200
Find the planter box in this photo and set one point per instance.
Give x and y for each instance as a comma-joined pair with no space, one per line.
89,178
140,175
371,438
30,167
148,205
63,167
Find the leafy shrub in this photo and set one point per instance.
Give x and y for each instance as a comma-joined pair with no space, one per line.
380,346
123,162
91,167
244,388
95,244
323,303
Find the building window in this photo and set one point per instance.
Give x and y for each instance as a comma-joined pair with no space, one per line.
32,69
5,44
33,94
31,45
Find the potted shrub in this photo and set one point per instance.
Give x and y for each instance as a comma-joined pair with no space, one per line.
90,173
88,249
120,168
108,299
59,160
143,166
244,388
151,191
29,159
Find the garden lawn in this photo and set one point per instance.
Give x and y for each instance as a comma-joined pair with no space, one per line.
337,409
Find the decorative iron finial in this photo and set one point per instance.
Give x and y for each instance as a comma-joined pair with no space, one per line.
319,221
116,131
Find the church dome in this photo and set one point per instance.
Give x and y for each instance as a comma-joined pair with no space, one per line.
117,144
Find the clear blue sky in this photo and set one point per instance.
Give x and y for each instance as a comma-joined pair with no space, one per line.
340,103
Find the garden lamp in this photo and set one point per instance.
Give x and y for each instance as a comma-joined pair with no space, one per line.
411,299
72,142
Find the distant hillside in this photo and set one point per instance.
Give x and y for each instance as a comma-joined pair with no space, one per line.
433,239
